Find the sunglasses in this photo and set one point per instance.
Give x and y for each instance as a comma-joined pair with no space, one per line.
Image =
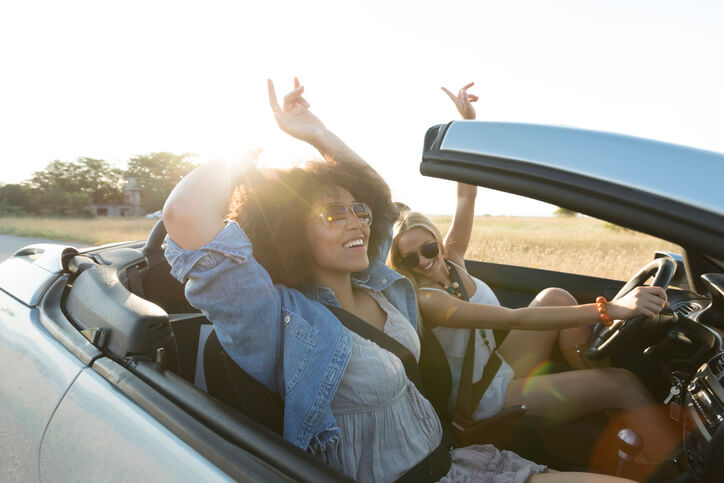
335,215
428,250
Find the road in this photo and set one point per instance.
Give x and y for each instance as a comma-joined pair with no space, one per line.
9,244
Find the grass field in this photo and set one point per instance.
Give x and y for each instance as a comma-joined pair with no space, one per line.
576,245
93,231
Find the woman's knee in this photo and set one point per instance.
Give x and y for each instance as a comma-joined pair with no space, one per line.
554,296
628,387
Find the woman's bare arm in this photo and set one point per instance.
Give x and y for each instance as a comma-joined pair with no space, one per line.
458,236
444,310
194,211
295,119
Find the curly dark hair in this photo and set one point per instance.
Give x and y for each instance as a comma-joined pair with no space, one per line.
271,206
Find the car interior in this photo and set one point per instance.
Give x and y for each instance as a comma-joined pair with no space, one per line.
124,301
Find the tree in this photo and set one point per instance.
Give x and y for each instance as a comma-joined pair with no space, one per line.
14,199
156,175
69,188
565,212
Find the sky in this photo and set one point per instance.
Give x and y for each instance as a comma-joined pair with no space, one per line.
112,80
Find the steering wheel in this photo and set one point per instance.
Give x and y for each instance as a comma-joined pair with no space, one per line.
604,337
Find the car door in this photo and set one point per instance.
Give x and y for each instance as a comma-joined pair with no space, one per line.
517,286
68,412
37,370
36,373
99,434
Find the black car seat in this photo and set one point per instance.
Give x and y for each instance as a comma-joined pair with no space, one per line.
204,363
228,382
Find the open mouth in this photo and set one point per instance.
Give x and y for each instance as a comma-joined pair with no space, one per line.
354,243
428,266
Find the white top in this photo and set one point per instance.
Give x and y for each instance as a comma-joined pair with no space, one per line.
454,341
387,426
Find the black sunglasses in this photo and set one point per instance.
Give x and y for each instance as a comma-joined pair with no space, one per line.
428,250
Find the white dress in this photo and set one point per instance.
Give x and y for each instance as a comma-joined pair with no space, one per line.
387,426
455,341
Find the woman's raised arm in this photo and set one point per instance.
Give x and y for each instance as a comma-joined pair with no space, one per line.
295,119
458,236
194,211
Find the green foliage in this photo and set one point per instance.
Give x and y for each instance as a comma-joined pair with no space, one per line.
565,212
56,201
69,188
14,199
156,175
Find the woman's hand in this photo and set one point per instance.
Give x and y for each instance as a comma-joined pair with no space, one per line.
463,101
295,118
647,301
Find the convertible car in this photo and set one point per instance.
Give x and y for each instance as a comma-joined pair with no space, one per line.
109,373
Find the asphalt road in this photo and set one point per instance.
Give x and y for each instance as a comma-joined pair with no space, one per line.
9,244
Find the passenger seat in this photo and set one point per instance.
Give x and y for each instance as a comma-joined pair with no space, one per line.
205,363
228,382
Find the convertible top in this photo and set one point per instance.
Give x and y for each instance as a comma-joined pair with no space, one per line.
689,175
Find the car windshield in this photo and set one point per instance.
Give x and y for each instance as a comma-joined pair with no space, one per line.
566,242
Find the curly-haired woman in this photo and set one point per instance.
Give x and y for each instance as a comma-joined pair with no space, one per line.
316,233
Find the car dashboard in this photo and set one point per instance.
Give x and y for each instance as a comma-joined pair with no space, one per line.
703,432
691,353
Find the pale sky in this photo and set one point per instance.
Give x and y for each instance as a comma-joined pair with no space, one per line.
116,79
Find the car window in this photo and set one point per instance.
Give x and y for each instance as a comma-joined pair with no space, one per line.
573,244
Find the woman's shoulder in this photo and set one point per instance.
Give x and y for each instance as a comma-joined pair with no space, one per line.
431,298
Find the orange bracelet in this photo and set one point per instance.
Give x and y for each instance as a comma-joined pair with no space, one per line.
602,314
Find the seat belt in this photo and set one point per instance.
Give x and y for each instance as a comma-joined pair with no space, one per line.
362,328
436,464
469,393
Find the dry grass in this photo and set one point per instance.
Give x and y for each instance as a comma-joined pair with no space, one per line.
576,245
94,231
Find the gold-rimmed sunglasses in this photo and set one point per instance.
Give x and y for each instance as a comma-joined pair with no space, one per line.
335,215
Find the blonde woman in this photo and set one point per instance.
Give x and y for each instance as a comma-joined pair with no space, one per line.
429,260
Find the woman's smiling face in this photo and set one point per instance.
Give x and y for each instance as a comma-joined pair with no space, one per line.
342,250
411,242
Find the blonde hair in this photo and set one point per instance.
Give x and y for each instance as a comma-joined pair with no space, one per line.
406,222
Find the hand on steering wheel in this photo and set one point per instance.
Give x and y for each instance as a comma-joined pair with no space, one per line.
646,301
633,304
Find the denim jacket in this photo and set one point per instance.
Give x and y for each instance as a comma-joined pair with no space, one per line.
286,339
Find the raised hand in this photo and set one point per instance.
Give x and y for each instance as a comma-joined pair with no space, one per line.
463,101
295,118
646,301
